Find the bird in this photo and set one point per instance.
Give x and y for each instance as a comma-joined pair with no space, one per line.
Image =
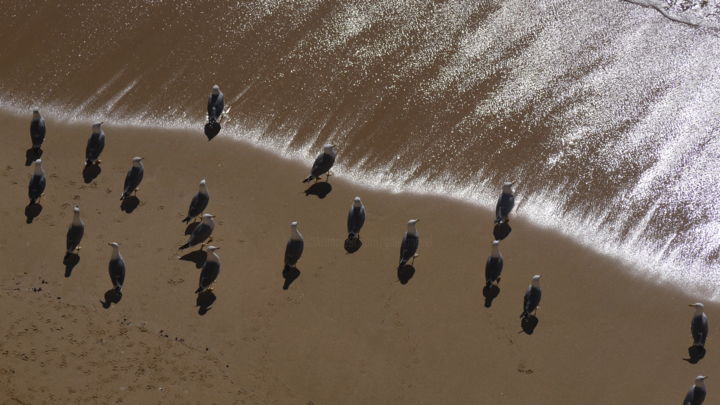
696,394
116,268
216,104
201,232
294,247
323,163
532,297
699,325
410,243
505,203
494,265
133,178
95,145
37,183
75,231
356,219
37,130
210,270
198,203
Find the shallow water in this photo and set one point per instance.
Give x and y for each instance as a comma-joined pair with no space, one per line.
607,114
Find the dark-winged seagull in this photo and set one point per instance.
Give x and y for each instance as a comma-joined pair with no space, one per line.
323,163
505,203
75,232
356,219
198,203
37,183
532,297
37,130
216,104
410,243
697,393
210,270
294,247
95,145
133,178
201,232
494,265
116,268
699,325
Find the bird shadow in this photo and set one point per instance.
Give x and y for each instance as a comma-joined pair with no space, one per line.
695,354
191,227
290,274
212,128
32,155
490,292
529,323
32,211
501,230
321,190
405,273
70,261
198,257
111,297
90,172
352,245
204,301
129,204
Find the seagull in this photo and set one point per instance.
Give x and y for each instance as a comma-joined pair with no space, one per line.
356,219
494,265
37,183
37,130
294,247
505,203
216,104
699,325
198,203
133,178
201,232
410,243
532,297
697,393
323,163
116,268
75,232
95,145
210,270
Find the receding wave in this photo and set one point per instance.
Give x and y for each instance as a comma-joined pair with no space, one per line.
606,114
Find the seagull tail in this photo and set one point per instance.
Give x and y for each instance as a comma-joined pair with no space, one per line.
524,314
310,177
185,246
199,290
186,220
118,289
351,235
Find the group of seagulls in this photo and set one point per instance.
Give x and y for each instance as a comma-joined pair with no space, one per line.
201,234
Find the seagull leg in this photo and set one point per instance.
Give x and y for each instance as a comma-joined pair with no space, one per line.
327,179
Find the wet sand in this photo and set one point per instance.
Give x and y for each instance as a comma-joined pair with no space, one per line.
345,332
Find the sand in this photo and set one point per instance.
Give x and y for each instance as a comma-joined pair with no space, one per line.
345,332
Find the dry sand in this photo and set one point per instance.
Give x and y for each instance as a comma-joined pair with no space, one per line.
345,332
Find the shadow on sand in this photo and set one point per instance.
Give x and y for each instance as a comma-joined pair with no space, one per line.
529,323
352,245
197,256
501,231
321,190
204,301
32,211
70,261
290,274
405,273
695,354
212,129
129,204
90,172
490,293
111,297
32,155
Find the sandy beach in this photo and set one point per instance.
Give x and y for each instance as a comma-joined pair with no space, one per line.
345,332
